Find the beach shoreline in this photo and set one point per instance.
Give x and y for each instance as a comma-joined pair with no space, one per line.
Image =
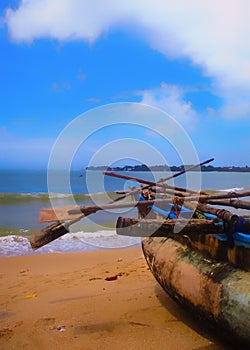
105,299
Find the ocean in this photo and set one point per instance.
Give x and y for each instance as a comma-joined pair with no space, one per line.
24,192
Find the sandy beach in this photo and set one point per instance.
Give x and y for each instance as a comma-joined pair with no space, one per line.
106,299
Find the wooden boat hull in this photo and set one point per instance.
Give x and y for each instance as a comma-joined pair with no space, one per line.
207,243
214,291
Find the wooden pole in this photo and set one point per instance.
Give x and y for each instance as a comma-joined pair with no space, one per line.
50,233
185,190
67,213
223,214
185,170
151,183
58,229
126,177
205,198
158,228
235,203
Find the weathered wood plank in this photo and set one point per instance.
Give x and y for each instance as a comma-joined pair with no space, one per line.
58,214
167,228
71,212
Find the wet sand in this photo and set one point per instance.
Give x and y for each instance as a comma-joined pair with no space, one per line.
105,299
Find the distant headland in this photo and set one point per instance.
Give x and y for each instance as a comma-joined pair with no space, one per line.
144,167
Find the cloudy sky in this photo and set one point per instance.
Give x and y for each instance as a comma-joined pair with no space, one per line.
62,58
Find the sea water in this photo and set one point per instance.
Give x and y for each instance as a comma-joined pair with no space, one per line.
24,192
35,181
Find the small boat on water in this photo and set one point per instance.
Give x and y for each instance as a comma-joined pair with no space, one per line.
199,254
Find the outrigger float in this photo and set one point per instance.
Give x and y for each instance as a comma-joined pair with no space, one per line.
199,253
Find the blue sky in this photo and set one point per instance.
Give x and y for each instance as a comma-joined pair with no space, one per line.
60,59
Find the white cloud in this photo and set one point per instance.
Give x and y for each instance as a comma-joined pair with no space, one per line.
212,34
170,98
60,86
60,19
94,99
236,103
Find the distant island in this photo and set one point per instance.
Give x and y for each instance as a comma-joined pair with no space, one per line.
144,167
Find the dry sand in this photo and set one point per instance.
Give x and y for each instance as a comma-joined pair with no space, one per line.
63,301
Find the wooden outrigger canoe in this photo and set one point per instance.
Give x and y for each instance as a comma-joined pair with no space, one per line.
199,270
205,266
202,236
212,290
199,267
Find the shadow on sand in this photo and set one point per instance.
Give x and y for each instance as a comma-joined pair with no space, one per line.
204,328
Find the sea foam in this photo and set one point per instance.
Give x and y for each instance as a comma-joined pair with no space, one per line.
14,245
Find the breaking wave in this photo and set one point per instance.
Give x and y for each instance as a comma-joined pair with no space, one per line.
14,245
